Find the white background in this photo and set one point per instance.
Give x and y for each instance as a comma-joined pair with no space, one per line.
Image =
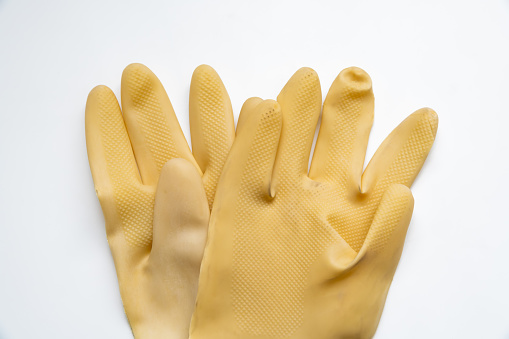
57,277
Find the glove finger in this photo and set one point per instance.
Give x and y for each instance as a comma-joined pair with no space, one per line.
301,101
387,233
344,132
126,203
212,126
151,123
247,108
181,213
109,150
251,159
181,216
401,156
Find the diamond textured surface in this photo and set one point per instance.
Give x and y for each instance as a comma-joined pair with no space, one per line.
306,217
134,202
387,218
271,304
150,116
156,240
210,101
352,220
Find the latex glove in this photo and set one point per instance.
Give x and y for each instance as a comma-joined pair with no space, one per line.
157,237
292,255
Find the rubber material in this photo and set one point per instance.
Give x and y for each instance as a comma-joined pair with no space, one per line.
297,255
155,194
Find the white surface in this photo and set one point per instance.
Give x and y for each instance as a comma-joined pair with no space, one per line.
57,277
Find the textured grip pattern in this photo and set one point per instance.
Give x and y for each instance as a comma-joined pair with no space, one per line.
134,202
346,117
277,241
269,282
210,101
352,221
150,116
388,216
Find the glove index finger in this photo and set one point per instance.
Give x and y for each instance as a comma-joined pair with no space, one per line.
301,102
212,126
247,108
251,160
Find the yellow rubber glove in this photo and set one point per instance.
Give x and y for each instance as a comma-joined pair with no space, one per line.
158,249
292,255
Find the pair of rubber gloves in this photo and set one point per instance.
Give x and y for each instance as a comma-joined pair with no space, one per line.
236,239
